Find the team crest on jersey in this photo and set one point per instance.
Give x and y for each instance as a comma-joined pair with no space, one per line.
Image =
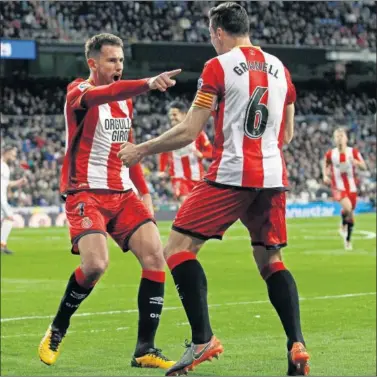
86,223
200,83
84,85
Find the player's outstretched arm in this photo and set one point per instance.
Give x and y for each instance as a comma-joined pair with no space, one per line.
175,138
360,164
358,160
5,207
18,183
138,179
325,171
124,89
289,123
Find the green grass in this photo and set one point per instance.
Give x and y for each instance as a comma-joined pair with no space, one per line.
338,310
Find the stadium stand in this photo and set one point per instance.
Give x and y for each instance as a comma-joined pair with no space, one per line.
31,113
323,23
29,120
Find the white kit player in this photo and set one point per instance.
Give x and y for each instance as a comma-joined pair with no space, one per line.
9,154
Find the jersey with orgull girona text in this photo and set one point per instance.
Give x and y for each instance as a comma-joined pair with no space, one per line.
93,139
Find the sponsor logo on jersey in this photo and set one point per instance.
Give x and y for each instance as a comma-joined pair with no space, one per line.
119,129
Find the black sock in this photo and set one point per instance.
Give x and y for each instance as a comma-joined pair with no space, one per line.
349,230
150,303
191,283
283,295
344,219
74,295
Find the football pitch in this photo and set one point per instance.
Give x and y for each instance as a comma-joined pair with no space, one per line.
338,307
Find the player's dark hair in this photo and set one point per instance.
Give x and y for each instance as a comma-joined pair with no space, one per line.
94,44
230,17
181,106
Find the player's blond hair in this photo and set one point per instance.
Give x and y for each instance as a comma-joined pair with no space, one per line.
94,44
340,129
7,149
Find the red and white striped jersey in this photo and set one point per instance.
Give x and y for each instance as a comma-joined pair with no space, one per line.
252,89
93,139
184,163
343,173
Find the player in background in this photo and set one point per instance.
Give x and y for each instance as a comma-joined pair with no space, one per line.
185,165
99,196
251,96
339,170
8,155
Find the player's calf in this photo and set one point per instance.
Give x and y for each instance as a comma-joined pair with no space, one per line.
348,226
150,304
146,245
76,292
282,291
283,294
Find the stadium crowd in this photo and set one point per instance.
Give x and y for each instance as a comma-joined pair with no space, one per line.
40,96
31,113
30,121
323,23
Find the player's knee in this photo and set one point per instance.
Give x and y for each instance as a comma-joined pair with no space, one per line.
94,269
170,249
153,261
264,257
347,211
178,242
152,258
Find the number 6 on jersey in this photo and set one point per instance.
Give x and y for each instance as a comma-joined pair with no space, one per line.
256,114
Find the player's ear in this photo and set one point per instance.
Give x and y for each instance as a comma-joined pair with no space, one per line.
219,33
92,63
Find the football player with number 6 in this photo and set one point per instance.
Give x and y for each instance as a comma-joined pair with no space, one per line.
250,94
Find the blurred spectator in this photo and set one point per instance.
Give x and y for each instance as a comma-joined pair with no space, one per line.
31,113
41,96
298,23
41,138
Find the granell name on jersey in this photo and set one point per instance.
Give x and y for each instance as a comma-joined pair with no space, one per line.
241,68
120,129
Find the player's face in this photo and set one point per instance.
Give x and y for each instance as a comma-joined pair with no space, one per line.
340,138
175,116
11,155
108,66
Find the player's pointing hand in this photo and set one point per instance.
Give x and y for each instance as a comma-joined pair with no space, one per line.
130,154
163,80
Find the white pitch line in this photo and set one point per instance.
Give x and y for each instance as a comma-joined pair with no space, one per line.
69,332
13,319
